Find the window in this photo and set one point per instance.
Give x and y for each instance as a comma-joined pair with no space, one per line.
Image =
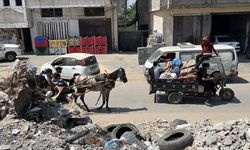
18,2
188,56
97,11
52,12
59,61
212,39
225,39
6,2
70,62
226,56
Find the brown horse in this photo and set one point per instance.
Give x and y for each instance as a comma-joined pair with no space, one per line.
101,82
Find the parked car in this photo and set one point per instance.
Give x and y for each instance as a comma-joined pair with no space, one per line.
224,39
189,51
75,63
9,51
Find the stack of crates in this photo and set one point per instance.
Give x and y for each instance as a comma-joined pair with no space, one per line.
57,47
101,45
74,45
87,45
41,45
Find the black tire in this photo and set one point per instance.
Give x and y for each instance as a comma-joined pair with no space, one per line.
175,98
10,56
175,140
226,94
122,128
110,128
23,102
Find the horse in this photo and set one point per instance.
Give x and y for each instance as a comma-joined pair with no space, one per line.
101,82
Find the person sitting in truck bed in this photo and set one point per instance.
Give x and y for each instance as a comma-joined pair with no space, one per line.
157,70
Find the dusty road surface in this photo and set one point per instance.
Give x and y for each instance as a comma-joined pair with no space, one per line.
131,102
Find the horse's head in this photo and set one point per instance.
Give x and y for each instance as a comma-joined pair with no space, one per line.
121,74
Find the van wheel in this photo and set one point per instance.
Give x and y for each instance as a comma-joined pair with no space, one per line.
10,56
175,98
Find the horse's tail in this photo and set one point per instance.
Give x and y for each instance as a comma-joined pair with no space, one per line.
98,99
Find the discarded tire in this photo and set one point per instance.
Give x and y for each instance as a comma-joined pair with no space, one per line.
122,128
110,128
175,139
23,102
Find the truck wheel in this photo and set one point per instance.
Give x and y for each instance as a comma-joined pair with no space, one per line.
10,56
226,94
175,139
175,98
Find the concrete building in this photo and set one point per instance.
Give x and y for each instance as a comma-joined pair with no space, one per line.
182,20
59,19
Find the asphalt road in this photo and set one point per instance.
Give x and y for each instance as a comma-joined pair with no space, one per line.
131,102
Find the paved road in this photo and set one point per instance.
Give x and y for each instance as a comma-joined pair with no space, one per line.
131,101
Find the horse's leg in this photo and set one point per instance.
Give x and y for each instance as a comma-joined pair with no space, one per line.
107,100
82,99
103,99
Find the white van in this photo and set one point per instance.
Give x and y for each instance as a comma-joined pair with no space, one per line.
189,51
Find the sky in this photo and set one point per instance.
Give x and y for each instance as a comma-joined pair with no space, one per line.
131,2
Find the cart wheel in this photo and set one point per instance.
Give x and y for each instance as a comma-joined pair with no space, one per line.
226,94
175,98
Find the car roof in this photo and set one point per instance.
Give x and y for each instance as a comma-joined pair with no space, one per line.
78,56
217,47
10,45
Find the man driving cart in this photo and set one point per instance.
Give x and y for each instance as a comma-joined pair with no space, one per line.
208,82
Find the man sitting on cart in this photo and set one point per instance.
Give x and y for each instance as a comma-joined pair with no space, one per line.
208,83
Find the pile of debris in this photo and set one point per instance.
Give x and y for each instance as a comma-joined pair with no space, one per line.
233,135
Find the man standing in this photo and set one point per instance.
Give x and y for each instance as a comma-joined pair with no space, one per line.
207,50
208,83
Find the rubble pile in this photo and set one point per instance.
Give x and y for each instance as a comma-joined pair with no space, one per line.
230,135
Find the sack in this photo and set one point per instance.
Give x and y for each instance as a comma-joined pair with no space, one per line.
176,62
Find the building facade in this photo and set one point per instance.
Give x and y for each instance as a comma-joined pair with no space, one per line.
182,20
59,19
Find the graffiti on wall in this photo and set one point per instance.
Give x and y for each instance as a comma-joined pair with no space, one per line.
8,36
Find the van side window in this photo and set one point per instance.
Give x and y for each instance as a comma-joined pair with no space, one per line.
167,56
187,56
227,55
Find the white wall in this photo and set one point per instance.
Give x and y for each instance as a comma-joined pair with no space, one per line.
66,3
163,23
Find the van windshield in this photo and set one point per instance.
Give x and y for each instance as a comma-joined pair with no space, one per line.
156,55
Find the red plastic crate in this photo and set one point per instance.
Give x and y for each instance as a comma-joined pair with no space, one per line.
104,49
87,41
88,49
74,50
98,49
41,41
101,40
